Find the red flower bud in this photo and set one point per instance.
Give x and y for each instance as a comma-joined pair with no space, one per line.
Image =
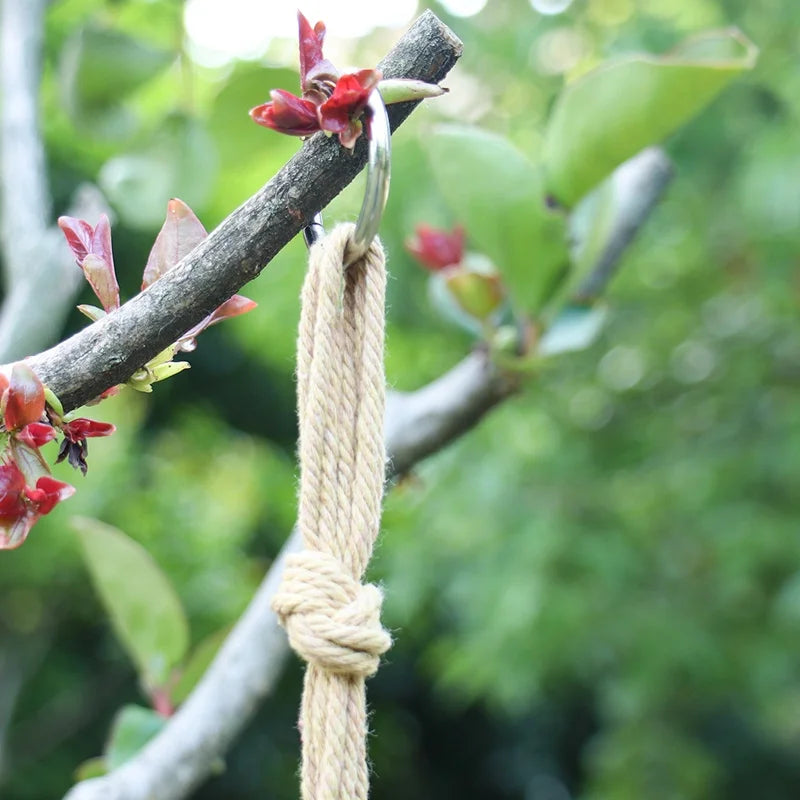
437,249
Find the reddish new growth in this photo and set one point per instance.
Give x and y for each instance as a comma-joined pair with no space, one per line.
76,432
30,419
21,505
331,102
437,249
27,490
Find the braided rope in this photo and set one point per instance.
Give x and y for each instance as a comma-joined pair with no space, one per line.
331,618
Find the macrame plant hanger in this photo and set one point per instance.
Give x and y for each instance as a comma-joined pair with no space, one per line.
331,617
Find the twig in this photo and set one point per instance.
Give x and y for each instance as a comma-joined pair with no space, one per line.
110,351
422,422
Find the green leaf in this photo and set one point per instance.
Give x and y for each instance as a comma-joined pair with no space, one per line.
199,661
133,727
145,611
574,328
479,294
91,768
617,109
497,194
179,161
99,67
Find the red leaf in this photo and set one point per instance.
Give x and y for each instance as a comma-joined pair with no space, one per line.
233,307
317,74
92,250
83,428
15,530
24,398
181,232
101,242
287,114
47,494
37,434
102,280
12,483
79,236
310,45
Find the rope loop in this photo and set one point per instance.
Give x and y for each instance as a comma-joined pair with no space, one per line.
332,619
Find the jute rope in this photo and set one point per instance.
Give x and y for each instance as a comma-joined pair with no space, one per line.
332,619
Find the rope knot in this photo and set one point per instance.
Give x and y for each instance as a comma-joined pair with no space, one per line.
332,620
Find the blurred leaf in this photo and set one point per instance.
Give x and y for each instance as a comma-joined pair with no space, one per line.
574,328
145,612
478,294
181,160
236,135
91,768
496,193
133,727
446,306
198,662
100,66
612,112
249,155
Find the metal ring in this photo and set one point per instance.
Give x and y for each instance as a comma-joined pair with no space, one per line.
376,192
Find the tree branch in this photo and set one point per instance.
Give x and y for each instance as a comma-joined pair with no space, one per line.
638,185
40,275
422,422
111,350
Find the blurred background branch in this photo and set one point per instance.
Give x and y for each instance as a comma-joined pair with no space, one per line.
40,277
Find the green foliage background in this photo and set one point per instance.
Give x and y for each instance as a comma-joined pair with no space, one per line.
597,593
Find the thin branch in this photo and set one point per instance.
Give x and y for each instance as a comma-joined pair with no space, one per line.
111,350
40,275
422,422
638,185
249,663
